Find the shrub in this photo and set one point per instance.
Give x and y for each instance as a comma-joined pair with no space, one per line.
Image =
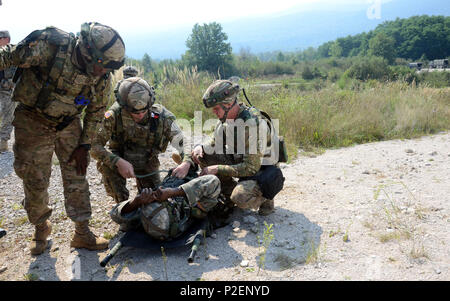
365,68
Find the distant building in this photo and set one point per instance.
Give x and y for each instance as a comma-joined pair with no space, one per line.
439,64
417,65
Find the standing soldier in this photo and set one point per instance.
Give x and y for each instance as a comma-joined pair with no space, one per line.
60,75
137,130
6,104
129,71
226,162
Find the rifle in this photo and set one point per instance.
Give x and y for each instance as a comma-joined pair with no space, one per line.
2,232
111,254
196,240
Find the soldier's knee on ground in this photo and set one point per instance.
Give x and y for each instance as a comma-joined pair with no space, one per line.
247,195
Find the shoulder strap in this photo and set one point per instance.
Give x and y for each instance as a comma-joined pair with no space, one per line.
119,130
62,40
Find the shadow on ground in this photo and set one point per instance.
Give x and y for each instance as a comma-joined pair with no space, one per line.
6,163
295,241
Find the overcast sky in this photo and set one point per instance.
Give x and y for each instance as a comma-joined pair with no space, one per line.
21,17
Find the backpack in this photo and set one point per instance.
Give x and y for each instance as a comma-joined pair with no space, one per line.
171,218
282,150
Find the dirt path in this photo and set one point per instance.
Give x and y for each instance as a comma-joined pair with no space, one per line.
377,211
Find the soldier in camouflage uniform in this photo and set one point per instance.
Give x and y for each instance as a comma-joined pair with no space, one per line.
239,157
129,71
7,106
60,76
137,130
169,211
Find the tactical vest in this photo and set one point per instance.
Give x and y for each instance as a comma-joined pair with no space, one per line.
6,77
56,88
136,142
171,218
232,151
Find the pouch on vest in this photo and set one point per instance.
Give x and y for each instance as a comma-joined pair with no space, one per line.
282,150
270,180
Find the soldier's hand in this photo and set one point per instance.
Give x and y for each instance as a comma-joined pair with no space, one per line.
162,194
182,170
210,170
80,155
125,169
145,197
197,153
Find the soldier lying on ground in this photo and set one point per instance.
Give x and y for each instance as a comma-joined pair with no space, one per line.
167,212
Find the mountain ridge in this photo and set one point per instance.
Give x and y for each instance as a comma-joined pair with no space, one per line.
290,31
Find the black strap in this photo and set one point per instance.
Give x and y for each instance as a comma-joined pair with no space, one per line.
110,43
54,73
248,100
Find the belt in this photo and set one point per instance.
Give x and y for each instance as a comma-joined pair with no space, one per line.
57,123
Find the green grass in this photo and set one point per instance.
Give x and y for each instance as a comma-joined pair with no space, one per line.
328,116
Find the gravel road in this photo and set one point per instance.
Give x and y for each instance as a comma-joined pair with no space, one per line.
377,211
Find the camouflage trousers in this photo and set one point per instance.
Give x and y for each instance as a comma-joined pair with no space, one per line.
245,194
116,185
203,190
7,107
35,143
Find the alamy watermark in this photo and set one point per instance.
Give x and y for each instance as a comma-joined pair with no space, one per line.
234,137
374,10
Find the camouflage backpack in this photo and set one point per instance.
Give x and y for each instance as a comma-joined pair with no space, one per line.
169,219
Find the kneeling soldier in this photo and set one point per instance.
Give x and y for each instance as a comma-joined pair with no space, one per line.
240,154
137,130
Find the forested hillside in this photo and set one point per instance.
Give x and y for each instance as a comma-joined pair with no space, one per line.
412,38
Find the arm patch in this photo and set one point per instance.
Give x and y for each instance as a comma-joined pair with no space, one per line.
108,114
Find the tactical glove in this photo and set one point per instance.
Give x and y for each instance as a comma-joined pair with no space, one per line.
80,155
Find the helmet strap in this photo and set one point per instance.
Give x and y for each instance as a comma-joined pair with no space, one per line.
226,110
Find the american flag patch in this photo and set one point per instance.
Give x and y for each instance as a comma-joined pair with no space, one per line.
108,114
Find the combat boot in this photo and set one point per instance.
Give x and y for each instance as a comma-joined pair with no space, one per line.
3,146
177,158
39,242
266,208
84,238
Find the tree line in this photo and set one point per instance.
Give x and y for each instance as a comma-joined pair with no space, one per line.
365,55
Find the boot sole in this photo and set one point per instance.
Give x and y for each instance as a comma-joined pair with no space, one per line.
96,248
37,252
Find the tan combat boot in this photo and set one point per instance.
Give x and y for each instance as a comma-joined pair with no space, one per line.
84,238
39,242
266,208
3,146
177,158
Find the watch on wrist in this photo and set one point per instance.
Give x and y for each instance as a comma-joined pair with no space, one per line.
86,146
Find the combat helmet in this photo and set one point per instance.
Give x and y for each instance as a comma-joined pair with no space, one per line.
220,92
134,94
101,45
4,34
155,220
130,71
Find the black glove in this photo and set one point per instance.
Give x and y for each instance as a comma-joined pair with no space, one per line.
80,155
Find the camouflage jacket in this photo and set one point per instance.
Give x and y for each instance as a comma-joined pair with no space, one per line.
6,79
36,57
173,217
244,147
136,142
